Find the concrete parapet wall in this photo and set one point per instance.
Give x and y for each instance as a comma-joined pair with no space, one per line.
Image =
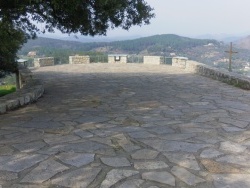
45,61
32,89
219,74
79,59
152,60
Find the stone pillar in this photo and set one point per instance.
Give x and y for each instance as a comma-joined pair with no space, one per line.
79,59
117,58
152,60
179,62
45,61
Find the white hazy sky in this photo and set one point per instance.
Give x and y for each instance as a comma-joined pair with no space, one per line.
193,18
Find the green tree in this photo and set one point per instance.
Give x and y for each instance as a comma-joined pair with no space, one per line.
87,17
11,39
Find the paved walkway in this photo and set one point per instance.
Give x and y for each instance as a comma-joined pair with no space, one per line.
127,126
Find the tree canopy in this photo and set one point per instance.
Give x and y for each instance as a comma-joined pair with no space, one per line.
87,17
11,39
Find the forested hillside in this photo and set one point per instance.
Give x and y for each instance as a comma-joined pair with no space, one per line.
160,43
153,44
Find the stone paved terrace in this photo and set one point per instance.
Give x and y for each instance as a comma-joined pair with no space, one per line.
127,126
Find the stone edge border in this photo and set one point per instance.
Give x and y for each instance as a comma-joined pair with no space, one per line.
31,91
230,78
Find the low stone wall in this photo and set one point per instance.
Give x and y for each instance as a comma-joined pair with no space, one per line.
219,74
45,61
79,59
31,90
152,60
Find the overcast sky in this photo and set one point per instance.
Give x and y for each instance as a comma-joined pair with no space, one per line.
194,18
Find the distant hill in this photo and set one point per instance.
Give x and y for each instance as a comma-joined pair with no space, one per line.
243,43
154,44
208,51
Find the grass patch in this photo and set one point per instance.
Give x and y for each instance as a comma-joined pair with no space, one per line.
7,89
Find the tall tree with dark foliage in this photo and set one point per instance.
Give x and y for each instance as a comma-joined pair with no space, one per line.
19,20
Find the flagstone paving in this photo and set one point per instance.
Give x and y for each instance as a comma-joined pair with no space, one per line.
119,126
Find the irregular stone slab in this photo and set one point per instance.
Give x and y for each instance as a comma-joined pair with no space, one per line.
210,153
7,176
41,125
126,144
13,135
231,128
69,123
215,167
104,132
132,184
102,140
161,177
128,129
198,103
6,132
59,130
28,186
44,171
23,138
141,134
115,161
177,137
161,130
185,160
104,125
150,165
131,122
78,178
116,175
76,159
92,119
209,138
237,136
30,147
18,163
237,123
186,176
187,130
204,174
145,154
83,134
165,145
231,180
52,139
204,118
232,147
243,160
5,150
87,146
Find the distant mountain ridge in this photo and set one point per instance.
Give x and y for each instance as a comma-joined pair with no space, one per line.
153,44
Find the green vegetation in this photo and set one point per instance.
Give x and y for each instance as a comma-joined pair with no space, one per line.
160,43
11,41
7,89
19,21
155,44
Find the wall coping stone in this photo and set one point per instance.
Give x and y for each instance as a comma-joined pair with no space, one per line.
31,91
223,75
